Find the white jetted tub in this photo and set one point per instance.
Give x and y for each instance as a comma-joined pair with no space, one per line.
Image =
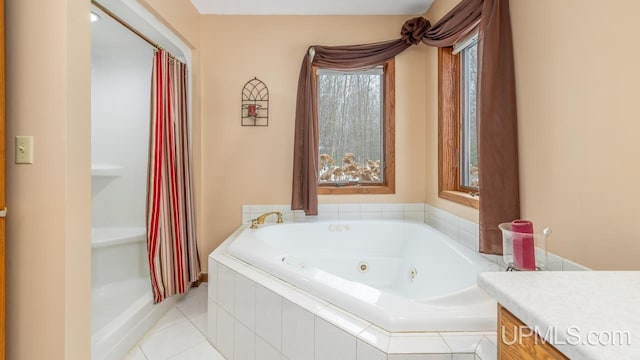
400,276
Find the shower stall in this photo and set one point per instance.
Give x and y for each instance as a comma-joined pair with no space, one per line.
122,302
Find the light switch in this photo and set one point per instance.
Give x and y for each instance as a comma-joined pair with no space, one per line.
24,149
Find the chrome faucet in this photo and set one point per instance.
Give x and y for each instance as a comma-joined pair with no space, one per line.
260,219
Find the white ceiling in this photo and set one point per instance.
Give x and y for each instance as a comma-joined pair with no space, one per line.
312,7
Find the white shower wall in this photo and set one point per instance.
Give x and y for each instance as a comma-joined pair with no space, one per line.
120,92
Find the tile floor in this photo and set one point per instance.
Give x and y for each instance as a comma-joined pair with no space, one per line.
180,334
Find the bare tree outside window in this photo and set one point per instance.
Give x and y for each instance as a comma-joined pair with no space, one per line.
468,123
350,110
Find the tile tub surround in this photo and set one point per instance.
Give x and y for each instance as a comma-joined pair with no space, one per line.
590,315
459,229
387,211
253,315
467,233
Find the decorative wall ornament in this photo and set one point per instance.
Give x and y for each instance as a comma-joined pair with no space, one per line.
254,110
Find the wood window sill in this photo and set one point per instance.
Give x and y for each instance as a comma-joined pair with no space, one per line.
460,198
355,189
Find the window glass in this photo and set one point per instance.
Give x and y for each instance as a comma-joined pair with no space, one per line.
350,122
468,123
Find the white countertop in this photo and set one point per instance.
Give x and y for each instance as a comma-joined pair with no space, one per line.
586,311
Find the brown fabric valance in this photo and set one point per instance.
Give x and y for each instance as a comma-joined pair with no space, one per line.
497,120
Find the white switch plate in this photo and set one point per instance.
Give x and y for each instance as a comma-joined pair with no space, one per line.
24,149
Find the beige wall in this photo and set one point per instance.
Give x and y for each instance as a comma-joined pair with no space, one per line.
253,165
48,227
577,78
577,83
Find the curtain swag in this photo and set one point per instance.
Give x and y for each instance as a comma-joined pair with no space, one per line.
496,106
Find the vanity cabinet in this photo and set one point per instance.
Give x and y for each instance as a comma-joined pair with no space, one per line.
516,341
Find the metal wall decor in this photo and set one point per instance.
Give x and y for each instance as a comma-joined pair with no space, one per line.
254,110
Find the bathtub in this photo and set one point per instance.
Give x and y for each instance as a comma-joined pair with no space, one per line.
400,276
122,308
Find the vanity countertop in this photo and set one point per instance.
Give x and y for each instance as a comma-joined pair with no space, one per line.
586,314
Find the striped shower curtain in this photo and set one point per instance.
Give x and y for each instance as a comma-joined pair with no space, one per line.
171,237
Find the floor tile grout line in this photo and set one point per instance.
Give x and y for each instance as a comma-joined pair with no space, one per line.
188,349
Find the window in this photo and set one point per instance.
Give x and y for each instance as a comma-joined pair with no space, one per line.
457,124
356,130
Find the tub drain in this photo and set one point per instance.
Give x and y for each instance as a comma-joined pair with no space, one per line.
413,272
363,267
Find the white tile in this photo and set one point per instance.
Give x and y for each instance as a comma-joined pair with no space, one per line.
276,285
170,318
282,208
371,208
298,215
288,216
447,217
429,221
393,215
327,208
390,207
305,301
428,209
224,332
297,332
451,231
417,344
245,301
412,207
463,342
269,316
201,323
491,257
349,216
344,208
468,239
376,337
226,288
244,347
414,216
469,226
231,263
252,274
246,208
371,215
213,280
264,351
332,343
212,316
471,356
486,350
554,262
439,224
420,357
135,354
170,341
260,209
202,351
343,320
328,215
194,303
493,338
365,351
